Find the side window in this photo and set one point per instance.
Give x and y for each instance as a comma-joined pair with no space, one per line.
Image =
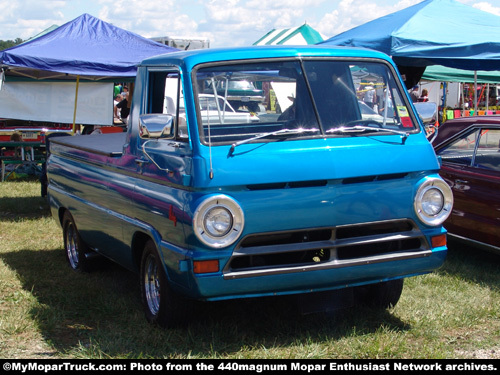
488,150
166,97
461,151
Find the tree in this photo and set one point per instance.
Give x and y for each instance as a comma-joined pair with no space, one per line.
4,44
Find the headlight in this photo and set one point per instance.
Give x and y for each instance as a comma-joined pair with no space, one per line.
218,221
433,201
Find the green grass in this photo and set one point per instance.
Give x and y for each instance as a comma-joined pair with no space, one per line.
48,311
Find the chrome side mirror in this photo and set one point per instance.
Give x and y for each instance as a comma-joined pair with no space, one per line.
156,125
428,113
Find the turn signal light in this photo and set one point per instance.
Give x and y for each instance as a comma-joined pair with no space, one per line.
439,241
205,266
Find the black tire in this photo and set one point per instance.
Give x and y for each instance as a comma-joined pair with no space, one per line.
76,250
385,295
253,107
382,295
161,305
235,104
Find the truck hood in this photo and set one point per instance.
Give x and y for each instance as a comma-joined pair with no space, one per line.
313,160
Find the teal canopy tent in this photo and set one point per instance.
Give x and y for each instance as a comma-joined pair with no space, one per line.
441,73
301,35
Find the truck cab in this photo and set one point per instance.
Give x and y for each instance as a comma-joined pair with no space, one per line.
313,192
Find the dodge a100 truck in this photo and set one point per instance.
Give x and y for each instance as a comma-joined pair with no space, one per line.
309,194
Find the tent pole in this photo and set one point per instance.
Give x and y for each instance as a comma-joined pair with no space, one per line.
487,97
475,92
76,101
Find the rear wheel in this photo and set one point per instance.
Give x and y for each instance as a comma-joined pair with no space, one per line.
76,250
161,305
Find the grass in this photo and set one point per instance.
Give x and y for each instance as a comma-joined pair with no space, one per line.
48,311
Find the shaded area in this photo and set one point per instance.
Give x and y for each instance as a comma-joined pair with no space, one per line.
101,312
463,258
16,208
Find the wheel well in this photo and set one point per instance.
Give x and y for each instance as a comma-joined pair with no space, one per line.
61,212
138,242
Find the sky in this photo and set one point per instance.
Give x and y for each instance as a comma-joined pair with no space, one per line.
226,23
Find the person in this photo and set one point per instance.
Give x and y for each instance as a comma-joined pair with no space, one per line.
124,108
390,106
118,89
414,94
116,111
289,113
370,96
424,97
17,153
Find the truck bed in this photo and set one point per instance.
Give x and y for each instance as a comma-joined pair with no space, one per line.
102,144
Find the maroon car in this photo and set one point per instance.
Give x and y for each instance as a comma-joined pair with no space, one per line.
469,148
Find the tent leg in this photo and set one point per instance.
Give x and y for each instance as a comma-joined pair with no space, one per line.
475,92
76,102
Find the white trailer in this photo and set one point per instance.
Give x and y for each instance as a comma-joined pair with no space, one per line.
183,43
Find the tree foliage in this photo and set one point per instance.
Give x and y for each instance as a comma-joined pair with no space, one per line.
4,44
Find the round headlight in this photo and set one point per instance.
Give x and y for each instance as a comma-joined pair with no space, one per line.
218,221
433,201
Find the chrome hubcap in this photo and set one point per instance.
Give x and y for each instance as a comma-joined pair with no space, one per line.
152,285
71,247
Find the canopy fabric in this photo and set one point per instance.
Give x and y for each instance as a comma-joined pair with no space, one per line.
86,46
444,74
433,32
302,35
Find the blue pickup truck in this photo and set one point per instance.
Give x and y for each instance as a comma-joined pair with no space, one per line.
313,192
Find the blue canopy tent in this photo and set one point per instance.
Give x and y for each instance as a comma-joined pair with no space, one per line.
86,48
433,32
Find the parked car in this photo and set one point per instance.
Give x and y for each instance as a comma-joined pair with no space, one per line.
222,112
469,148
239,93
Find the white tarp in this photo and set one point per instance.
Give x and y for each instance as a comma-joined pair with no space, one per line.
55,102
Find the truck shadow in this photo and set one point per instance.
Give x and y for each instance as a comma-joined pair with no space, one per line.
100,312
473,263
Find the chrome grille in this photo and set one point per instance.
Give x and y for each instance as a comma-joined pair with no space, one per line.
298,251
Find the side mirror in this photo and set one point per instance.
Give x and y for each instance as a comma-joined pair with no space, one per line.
156,125
428,113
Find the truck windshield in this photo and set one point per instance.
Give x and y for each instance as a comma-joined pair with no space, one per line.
266,101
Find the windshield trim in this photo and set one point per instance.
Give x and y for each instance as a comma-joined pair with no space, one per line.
300,59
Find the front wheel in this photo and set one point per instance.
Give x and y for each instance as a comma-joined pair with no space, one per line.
161,305
382,295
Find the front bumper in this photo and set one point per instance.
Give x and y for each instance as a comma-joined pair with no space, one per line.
322,259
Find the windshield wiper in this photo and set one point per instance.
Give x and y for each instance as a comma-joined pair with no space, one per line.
270,134
362,128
